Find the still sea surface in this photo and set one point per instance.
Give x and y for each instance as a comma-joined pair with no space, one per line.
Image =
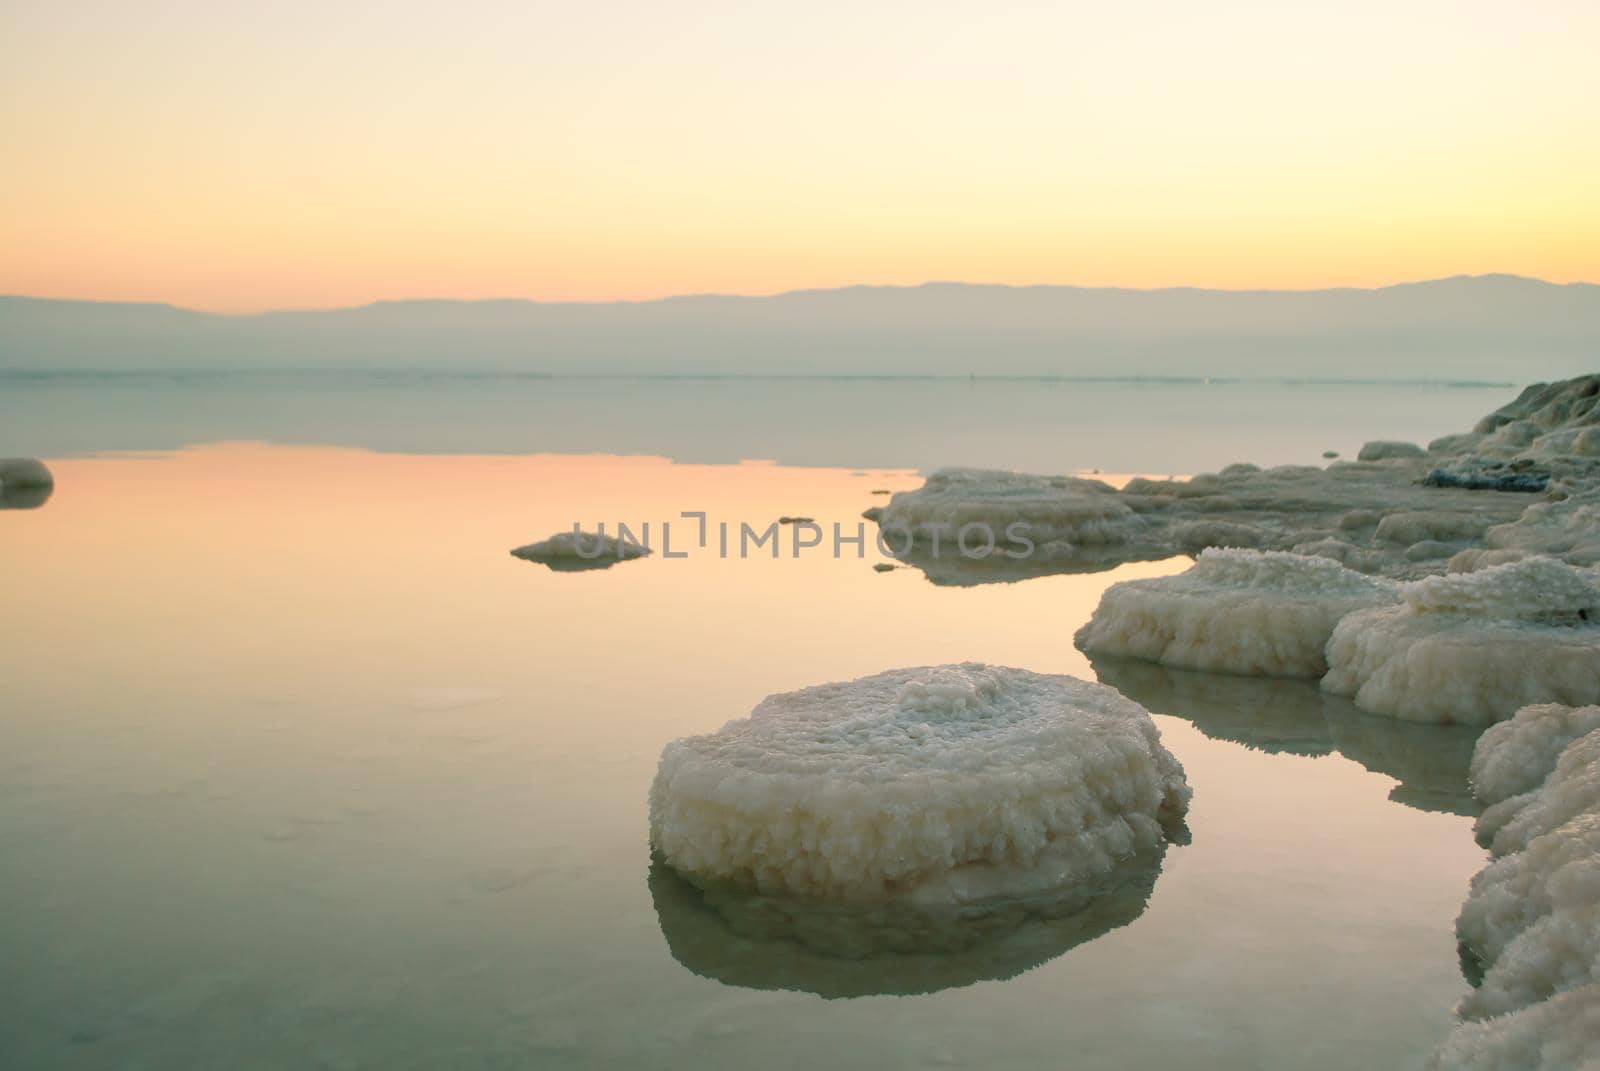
300,768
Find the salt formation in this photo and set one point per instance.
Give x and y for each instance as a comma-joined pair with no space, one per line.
1258,613
1532,918
1516,756
940,784
1474,647
24,483
843,949
1559,1034
572,551
971,513
1524,482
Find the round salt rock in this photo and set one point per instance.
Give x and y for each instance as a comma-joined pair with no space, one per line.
944,783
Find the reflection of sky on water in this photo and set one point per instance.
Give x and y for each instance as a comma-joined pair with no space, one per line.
1039,426
309,768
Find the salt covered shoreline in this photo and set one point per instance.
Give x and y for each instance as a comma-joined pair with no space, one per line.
1451,584
1525,481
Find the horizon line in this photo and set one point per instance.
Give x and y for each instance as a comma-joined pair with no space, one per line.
794,292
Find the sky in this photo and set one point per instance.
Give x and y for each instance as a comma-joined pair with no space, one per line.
240,156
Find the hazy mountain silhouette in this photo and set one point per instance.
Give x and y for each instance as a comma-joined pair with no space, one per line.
1496,326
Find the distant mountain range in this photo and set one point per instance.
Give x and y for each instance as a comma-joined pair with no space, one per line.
1500,327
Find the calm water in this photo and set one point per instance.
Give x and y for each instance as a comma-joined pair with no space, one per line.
1031,425
299,768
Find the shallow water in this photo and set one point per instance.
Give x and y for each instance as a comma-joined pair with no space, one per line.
298,767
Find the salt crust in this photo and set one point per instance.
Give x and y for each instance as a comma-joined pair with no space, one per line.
942,783
1474,647
1532,918
1254,613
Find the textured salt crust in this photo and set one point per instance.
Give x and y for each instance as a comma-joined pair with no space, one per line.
562,551
1249,612
943,783
1063,515
1378,515
1474,647
1532,917
1559,1034
1516,756
842,949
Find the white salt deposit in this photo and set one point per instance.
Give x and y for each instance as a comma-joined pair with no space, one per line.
1516,756
1474,647
1532,918
1235,611
1525,482
1059,515
1559,1034
942,783
573,550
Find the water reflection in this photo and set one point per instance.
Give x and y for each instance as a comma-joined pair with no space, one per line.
950,568
756,941
1296,717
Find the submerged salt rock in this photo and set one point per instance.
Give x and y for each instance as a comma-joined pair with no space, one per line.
943,783
567,551
1474,647
1260,613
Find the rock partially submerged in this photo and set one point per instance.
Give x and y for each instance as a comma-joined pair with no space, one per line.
1474,647
978,514
1532,918
943,784
1266,614
577,551
24,483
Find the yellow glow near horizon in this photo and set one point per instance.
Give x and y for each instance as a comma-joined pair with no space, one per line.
236,156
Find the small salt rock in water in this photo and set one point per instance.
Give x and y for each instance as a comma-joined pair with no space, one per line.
1330,454
884,567
942,784
1386,450
797,520
24,483
573,552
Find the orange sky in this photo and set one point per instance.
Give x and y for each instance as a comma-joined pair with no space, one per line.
243,156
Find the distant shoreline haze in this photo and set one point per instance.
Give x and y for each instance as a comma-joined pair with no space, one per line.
1488,328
